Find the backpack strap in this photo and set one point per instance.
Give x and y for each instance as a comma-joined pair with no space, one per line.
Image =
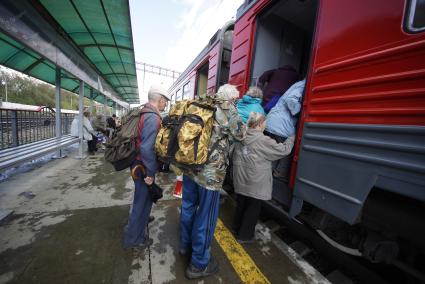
143,121
140,128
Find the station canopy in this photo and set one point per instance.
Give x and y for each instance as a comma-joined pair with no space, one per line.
100,30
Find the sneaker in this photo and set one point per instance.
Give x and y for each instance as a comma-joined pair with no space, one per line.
245,241
151,218
212,268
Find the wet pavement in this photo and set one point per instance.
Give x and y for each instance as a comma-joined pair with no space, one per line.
69,230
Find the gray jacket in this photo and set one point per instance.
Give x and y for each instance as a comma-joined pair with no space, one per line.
252,163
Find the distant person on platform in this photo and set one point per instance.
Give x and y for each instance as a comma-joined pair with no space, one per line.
111,121
99,123
117,120
250,102
274,83
111,125
88,132
148,127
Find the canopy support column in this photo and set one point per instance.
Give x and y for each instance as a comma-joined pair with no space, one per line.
80,120
91,100
104,105
58,126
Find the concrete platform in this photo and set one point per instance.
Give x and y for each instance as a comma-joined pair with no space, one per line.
69,230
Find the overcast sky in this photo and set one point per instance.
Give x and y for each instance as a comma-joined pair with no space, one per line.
171,33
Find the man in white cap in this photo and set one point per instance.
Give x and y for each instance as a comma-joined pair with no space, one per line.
148,127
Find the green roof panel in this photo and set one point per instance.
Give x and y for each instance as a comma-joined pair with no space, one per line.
100,29
19,58
104,24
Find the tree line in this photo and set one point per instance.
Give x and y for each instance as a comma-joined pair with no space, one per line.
25,90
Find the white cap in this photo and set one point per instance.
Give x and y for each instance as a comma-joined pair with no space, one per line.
160,90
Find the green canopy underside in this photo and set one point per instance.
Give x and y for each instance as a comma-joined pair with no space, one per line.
101,29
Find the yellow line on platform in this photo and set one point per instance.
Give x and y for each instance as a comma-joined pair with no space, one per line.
243,264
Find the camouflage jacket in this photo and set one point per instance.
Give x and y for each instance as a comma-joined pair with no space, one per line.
228,127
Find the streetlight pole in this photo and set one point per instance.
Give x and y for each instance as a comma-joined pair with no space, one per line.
4,82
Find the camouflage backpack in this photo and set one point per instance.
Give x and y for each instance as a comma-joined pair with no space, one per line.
185,134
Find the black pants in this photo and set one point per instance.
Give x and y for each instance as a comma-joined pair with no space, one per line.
92,144
277,138
246,216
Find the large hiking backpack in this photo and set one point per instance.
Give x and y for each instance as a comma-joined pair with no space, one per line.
185,133
121,149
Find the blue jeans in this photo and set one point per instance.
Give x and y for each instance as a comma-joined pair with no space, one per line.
139,216
199,213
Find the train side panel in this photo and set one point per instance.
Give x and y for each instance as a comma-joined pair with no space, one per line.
363,123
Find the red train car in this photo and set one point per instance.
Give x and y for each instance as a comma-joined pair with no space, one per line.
358,170
209,70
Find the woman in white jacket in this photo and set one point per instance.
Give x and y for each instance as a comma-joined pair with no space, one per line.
88,132
252,174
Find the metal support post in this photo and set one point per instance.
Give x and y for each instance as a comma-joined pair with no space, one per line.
58,126
4,82
104,104
15,140
80,121
91,100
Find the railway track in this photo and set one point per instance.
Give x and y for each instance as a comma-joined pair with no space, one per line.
303,244
332,263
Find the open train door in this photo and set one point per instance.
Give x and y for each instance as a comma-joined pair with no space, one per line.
243,42
274,35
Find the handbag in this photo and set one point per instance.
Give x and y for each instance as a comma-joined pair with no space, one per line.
155,191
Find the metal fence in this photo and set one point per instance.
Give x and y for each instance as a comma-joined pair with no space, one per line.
19,127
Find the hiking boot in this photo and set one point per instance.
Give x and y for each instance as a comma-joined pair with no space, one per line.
192,272
145,244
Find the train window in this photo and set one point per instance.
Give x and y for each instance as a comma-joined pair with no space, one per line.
415,19
202,80
179,95
186,91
